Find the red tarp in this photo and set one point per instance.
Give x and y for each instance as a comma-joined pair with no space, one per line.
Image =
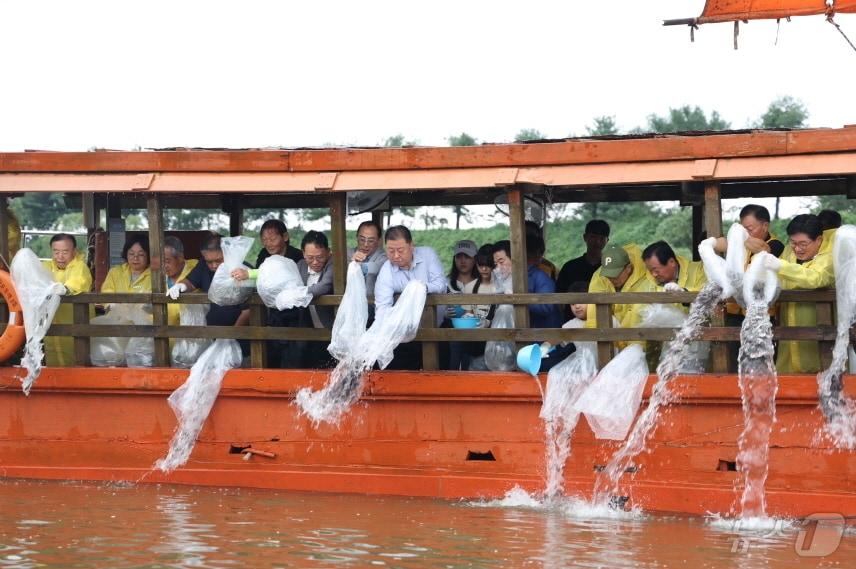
731,10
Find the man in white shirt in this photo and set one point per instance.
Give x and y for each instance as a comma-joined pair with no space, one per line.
369,253
404,264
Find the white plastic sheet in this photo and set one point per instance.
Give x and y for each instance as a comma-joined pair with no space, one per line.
185,351
39,296
140,351
353,314
566,382
398,326
612,399
225,290
279,284
192,402
500,355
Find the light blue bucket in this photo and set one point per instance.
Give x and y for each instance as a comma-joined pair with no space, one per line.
529,359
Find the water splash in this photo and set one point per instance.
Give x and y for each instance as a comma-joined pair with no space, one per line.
838,409
356,357
192,402
669,367
565,383
758,385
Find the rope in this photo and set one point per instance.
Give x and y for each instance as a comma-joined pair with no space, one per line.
829,15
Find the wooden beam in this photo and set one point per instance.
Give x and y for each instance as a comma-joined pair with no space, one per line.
430,350
258,348
156,238
825,318
603,313
713,227
697,229
519,267
339,241
4,232
236,219
80,314
377,217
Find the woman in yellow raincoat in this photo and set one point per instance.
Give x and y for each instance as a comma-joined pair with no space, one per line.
68,267
133,275
806,263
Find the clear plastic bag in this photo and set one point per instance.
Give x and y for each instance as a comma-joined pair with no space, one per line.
279,284
612,399
225,290
192,402
694,360
350,323
566,382
500,355
398,326
107,351
39,296
185,351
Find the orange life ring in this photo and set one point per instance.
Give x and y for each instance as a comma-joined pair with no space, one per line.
13,336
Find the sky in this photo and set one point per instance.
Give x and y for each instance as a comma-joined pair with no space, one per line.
123,75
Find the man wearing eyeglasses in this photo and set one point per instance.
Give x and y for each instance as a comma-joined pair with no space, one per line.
368,252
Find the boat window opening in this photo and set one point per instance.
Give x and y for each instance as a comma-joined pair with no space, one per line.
238,448
726,466
483,456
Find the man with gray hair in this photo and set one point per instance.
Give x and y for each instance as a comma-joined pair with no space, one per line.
175,266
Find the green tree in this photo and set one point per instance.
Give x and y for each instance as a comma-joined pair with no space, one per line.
38,210
603,126
527,134
784,112
686,118
398,140
462,139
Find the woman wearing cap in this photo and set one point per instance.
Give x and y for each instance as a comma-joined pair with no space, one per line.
461,354
463,275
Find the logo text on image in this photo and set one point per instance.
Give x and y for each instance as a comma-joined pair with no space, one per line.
820,535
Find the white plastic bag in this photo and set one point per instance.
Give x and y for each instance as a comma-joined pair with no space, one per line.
670,316
192,402
185,351
225,290
500,355
39,296
279,284
107,351
350,323
566,382
611,400
398,326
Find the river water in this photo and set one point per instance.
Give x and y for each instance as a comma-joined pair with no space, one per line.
52,524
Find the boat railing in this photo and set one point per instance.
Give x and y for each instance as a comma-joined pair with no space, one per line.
432,336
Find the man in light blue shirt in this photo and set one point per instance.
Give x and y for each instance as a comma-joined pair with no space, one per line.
404,264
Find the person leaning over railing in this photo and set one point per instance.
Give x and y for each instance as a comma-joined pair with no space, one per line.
176,268
671,272
68,267
621,270
134,275
200,278
368,253
538,282
275,241
316,270
805,264
405,262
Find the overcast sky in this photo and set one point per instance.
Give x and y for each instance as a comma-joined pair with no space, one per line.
255,74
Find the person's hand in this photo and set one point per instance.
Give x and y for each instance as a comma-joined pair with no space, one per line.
240,274
756,245
451,312
772,263
484,323
359,256
545,349
672,287
175,290
61,289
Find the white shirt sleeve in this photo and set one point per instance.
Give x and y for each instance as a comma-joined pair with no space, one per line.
383,291
437,283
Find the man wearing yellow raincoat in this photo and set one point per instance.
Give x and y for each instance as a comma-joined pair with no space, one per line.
671,272
621,270
14,233
175,269
806,263
68,267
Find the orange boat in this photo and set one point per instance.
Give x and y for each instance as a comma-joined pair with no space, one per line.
425,433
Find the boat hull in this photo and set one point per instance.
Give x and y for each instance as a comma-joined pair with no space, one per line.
436,434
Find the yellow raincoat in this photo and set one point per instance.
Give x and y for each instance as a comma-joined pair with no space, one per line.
119,280
173,310
59,350
794,356
628,315
14,234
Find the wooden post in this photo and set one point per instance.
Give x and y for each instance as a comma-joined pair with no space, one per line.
698,227
339,241
713,226
377,217
258,348
430,351
4,231
159,310
236,218
825,318
81,342
519,268
603,313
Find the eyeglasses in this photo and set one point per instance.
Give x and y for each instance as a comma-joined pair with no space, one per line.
367,240
800,244
140,255
314,258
